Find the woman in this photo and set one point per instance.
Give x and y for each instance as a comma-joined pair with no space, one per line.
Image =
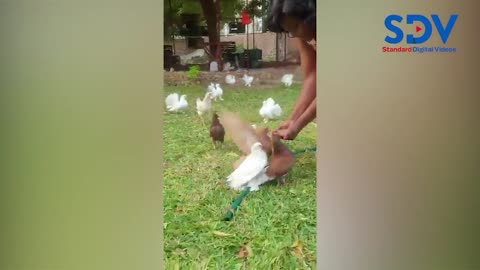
298,19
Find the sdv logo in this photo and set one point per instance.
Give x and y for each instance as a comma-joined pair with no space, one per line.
443,31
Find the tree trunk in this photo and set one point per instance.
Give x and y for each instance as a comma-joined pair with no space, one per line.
211,12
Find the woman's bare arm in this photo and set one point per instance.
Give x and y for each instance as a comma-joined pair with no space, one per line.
308,115
308,64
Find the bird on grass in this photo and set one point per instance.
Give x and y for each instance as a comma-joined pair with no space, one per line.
263,137
281,160
204,106
230,79
252,169
216,90
287,79
248,80
211,87
176,103
264,156
217,131
270,110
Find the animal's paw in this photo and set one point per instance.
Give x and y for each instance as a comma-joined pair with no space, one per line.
254,188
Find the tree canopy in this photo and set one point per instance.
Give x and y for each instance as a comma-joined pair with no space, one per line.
210,13
230,9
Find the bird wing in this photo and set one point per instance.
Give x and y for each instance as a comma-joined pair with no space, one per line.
265,140
199,104
241,132
171,100
276,110
270,112
260,179
237,163
253,165
206,97
213,92
211,88
204,106
183,103
264,111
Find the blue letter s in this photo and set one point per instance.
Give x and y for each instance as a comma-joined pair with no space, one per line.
394,29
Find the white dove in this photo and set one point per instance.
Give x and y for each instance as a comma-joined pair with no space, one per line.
252,169
204,106
270,110
248,80
230,79
287,79
175,103
217,92
211,88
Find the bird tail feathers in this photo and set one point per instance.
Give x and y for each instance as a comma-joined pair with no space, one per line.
171,100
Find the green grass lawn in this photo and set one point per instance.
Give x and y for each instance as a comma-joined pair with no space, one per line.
276,225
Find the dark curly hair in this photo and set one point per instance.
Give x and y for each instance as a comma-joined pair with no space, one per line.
305,10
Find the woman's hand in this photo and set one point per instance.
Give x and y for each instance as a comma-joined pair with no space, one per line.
288,133
292,128
285,125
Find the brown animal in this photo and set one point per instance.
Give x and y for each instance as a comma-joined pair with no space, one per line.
217,132
264,139
281,161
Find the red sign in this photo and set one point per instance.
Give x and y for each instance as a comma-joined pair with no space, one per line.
245,18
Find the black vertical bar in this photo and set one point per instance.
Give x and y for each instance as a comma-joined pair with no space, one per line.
276,47
264,29
253,30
